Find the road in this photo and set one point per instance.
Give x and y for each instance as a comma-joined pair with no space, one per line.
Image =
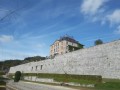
34,86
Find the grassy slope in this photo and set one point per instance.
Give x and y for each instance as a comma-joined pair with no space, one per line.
109,84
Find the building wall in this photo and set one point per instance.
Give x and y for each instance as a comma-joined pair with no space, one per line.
97,60
60,47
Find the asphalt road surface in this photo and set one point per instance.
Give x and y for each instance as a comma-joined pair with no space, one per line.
34,86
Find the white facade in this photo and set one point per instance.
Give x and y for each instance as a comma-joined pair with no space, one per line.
101,60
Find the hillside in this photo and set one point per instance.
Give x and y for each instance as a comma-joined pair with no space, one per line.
6,64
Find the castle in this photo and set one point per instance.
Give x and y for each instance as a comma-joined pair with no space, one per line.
101,60
64,45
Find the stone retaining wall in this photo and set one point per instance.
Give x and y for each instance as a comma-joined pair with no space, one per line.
101,60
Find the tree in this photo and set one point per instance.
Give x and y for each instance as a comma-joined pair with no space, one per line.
31,59
6,64
73,48
17,76
98,42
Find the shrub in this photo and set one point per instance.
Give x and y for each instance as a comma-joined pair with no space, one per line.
17,76
98,42
2,83
2,73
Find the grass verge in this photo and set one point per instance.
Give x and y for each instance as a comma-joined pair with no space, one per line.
109,84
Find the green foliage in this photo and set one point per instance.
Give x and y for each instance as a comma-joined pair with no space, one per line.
29,74
2,78
98,42
108,86
17,76
111,80
68,77
80,46
2,83
35,58
72,48
5,65
80,81
2,73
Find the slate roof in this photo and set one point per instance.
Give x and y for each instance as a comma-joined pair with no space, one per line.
68,38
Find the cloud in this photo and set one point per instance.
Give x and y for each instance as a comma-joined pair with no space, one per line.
92,6
94,11
114,17
6,38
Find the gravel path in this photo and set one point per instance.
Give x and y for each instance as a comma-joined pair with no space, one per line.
34,86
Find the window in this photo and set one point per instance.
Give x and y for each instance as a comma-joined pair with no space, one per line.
32,69
67,43
36,67
72,44
67,47
61,47
41,67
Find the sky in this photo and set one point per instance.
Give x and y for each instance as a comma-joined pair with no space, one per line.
29,27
